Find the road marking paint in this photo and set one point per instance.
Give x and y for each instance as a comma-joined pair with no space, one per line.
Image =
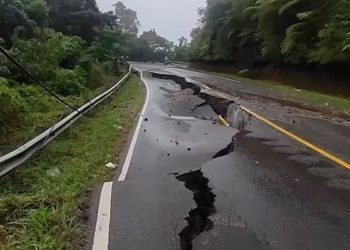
134,139
216,91
183,118
224,121
291,135
101,237
224,78
222,95
300,140
212,75
205,86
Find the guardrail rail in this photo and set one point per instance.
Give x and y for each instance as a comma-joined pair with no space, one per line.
14,159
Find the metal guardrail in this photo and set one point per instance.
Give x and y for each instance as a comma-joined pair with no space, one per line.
14,159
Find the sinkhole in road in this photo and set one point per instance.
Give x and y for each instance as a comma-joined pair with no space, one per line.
228,109
198,219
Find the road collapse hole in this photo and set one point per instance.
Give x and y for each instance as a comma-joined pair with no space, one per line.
198,219
238,118
228,109
179,80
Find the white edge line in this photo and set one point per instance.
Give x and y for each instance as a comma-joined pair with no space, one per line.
212,75
224,78
101,237
134,139
185,118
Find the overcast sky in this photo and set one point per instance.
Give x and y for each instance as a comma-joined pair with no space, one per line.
171,18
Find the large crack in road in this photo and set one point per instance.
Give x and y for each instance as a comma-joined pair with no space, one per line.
198,183
224,107
198,219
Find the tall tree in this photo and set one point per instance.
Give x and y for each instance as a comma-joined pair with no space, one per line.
127,18
75,17
278,31
21,13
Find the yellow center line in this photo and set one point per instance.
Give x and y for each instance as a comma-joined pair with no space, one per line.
300,140
207,87
224,121
289,134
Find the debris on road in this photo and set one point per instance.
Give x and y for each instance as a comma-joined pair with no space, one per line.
111,165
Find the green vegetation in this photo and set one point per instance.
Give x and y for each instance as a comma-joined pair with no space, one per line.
336,103
69,63
74,49
300,32
41,205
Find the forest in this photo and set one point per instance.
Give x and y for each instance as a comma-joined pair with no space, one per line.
73,48
77,51
303,33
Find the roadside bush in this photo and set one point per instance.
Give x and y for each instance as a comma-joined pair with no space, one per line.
11,107
46,52
35,99
97,76
68,82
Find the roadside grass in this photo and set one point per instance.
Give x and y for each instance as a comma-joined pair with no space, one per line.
41,205
39,111
291,93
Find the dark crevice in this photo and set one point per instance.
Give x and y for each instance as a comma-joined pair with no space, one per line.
219,105
179,80
199,105
229,149
228,109
198,219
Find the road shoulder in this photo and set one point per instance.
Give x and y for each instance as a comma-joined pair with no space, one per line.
44,203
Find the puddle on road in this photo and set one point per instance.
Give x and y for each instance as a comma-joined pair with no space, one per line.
198,219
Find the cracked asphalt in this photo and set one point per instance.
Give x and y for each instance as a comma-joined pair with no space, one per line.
195,184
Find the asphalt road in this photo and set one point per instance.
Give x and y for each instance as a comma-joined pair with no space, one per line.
193,183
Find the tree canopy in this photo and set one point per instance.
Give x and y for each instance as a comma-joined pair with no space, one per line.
126,18
70,46
278,31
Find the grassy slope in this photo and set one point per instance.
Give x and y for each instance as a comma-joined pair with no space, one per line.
337,103
41,111
42,212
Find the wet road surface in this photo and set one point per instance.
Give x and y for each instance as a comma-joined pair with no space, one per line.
193,183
